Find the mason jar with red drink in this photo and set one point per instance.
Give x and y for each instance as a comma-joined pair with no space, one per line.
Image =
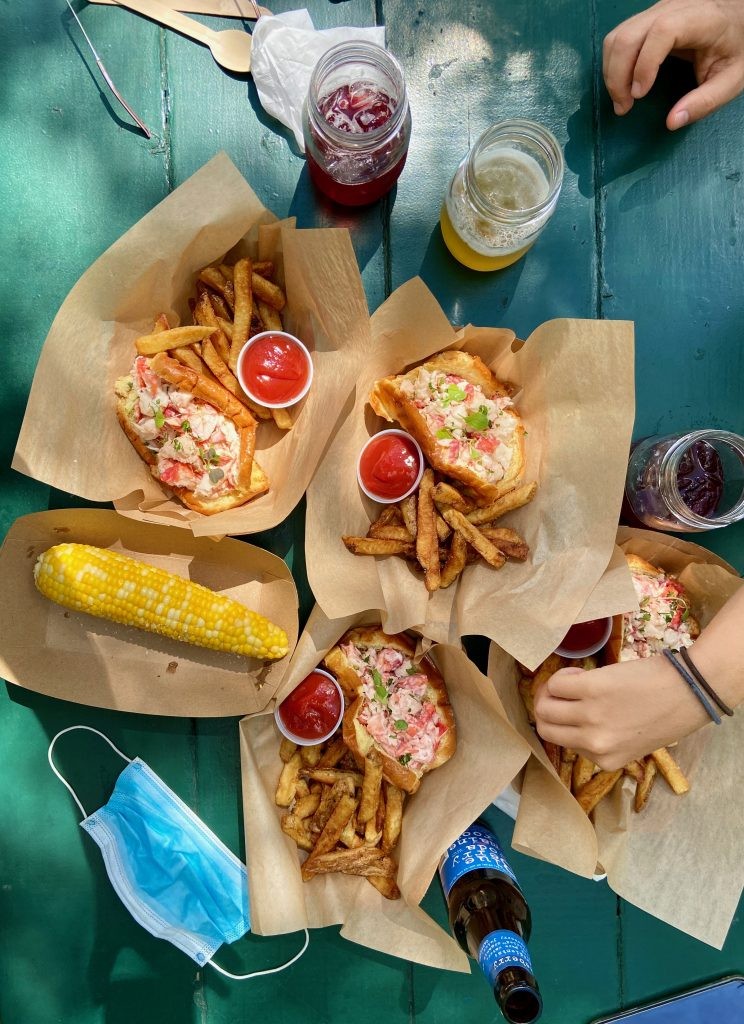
356,123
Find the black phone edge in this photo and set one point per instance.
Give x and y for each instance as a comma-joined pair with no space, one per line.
624,1014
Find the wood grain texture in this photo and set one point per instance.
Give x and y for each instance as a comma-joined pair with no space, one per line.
648,228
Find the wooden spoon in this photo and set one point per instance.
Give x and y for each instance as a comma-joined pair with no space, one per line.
230,48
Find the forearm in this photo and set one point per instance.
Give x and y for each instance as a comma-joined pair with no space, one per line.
719,651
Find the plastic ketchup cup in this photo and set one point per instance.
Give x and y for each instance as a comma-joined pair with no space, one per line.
585,638
275,369
313,711
390,466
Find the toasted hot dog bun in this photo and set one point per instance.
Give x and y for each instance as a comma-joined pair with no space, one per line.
370,640
639,567
388,400
251,479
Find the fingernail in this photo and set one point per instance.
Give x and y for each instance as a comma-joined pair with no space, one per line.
679,119
618,108
636,90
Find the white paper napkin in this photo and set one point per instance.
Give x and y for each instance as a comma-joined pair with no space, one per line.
286,48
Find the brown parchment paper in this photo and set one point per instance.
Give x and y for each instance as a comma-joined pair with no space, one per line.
76,657
576,396
680,859
70,437
489,753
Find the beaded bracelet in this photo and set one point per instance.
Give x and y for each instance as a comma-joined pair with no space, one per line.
690,680
702,681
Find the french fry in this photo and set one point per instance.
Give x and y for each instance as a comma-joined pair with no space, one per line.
323,813
282,418
387,886
349,835
554,754
285,790
635,770
527,692
268,292
443,530
583,770
174,337
301,789
311,755
345,807
447,496
427,544
596,789
456,559
486,548
516,498
372,834
218,282
565,769
264,267
269,317
408,511
306,806
390,533
332,754
644,787
295,828
205,315
372,546
370,787
188,357
220,307
287,749
243,310
330,776
360,861
671,771
160,324
393,817
226,326
507,541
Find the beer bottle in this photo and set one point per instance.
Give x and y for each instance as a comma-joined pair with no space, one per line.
490,919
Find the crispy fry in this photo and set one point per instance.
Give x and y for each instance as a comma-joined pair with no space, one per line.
554,754
644,787
408,511
427,544
486,548
219,283
285,790
330,776
243,309
393,817
390,533
596,789
323,813
174,337
226,271
349,835
507,541
370,787
220,307
332,754
527,692
269,317
296,829
372,834
205,315
372,546
565,769
264,267
447,496
268,292
160,324
226,326
311,755
456,559
569,754
671,771
364,860
387,886
583,770
443,530
306,806
516,498
287,749
345,807
635,770
188,357
548,668
282,418
301,788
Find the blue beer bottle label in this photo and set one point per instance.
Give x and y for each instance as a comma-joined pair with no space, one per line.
502,949
476,848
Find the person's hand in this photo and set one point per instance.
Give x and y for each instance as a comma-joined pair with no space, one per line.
615,714
710,33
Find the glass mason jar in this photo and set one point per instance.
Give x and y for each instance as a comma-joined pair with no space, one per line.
356,123
686,482
502,195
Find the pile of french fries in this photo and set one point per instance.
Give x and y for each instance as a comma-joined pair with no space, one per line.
346,820
585,780
231,305
442,530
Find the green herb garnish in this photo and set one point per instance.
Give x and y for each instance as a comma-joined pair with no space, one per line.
478,421
454,394
159,418
646,616
404,758
177,444
380,689
444,434
412,670
400,725
186,426
215,475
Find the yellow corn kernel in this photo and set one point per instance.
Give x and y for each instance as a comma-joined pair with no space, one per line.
122,589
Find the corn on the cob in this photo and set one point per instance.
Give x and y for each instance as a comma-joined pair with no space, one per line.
115,587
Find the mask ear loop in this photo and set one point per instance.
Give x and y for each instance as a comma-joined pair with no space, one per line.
65,783
260,974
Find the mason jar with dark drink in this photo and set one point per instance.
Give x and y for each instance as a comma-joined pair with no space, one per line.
490,919
356,123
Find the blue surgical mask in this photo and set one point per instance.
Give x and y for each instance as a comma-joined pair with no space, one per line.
170,871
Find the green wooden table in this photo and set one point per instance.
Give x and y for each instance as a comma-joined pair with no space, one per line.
648,228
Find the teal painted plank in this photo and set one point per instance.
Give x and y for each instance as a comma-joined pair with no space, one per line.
469,65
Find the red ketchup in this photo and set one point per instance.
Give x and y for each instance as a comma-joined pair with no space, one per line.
274,370
389,466
584,635
356,109
312,709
